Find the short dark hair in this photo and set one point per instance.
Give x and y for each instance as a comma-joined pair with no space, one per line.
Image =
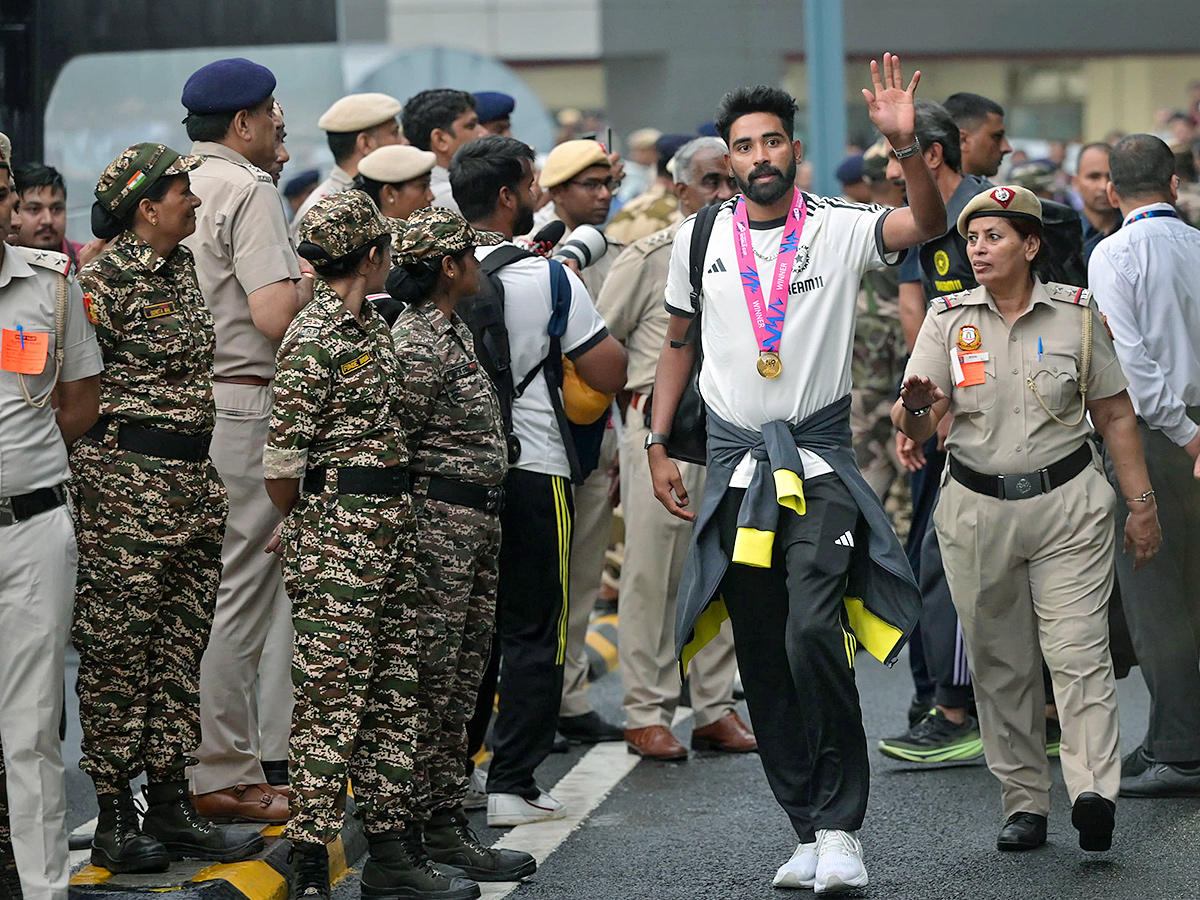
1095,145
1141,164
341,144
29,176
481,168
969,110
433,109
214,126
369,186
761,99
934,125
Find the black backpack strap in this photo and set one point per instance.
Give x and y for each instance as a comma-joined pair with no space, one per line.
502,256
702,227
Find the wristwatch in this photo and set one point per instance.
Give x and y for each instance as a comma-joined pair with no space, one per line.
655,437
917,413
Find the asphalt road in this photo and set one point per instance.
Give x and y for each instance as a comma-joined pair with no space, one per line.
709,828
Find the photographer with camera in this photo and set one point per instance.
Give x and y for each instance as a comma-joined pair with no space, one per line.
492,180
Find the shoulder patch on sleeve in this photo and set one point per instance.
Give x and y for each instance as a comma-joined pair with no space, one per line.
1068,293
308,332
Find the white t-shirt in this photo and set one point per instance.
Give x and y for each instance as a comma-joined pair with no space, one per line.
527,307
841,240
439,183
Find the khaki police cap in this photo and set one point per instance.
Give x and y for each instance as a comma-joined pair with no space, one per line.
396,163
644,139
1008,202
570,158
5,150
358,112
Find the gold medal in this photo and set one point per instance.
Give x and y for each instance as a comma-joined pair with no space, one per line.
769,365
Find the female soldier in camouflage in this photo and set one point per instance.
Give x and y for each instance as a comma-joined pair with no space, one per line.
348,544
150,515
451,417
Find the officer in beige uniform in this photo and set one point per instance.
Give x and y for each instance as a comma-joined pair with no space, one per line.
354,126
38,555
248,273
1025,518
656,542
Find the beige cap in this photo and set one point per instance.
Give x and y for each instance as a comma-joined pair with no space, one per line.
1009,202
5,150
358,112
644,139
570,158
396,163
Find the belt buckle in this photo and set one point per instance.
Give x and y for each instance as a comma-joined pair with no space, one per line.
7,516
1018,487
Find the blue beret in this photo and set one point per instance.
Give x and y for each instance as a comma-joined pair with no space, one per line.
492,105
708,129
306,179
851,169
227,85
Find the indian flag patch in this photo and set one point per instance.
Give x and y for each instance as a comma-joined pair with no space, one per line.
138,177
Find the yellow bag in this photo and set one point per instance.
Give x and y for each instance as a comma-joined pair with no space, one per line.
582,403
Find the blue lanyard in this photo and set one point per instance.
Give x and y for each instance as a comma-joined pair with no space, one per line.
1154,214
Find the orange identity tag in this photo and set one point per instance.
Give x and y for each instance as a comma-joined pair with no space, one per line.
24,352
969,369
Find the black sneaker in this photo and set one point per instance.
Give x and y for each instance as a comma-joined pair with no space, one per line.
935,739
1053,737
588,729
917,710
1136,763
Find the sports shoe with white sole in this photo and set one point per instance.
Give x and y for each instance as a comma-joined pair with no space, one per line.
839,862
477,789
505,810
801,870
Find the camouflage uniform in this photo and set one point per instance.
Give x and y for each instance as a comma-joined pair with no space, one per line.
876,369
149,528
651,211
451,416
347,560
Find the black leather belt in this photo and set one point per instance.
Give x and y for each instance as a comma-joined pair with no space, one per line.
26,506
154,441
1019,487
488,498
387,482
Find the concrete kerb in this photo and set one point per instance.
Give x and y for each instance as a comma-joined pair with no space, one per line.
265,877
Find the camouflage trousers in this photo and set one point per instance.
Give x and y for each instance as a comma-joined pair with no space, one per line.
874,439
149,533
348,569
458,569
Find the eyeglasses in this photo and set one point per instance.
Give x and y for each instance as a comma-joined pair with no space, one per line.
595,185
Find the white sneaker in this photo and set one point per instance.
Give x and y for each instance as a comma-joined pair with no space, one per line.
839,862
513,809
801,870
477,789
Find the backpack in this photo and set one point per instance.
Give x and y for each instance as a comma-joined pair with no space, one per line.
484,315
688,440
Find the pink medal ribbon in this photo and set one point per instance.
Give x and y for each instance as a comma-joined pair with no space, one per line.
766,315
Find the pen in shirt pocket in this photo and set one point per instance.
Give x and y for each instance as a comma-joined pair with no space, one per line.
1039,349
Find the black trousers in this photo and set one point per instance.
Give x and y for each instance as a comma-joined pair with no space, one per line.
531,621
796,658
945,650
1162,600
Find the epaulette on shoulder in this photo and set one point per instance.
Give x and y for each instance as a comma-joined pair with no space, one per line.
1068,293
656,241
949,301
48,259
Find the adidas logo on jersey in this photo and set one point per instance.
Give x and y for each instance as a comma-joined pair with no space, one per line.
846,540
718,266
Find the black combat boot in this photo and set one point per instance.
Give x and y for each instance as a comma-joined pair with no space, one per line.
397,868
10,882
310,865
450,841
118,844
173,820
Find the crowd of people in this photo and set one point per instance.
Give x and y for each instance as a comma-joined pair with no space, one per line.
320,479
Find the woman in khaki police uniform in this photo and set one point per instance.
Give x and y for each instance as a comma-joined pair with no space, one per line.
1025,515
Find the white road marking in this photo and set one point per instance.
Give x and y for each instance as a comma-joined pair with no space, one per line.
582,789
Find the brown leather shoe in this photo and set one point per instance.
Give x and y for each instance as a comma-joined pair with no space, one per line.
655,742
729,734
245,803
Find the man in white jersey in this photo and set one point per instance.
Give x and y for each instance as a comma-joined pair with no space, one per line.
790,542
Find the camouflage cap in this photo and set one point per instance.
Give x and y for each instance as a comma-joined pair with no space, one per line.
342,223
437,232
130,175
1035,175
